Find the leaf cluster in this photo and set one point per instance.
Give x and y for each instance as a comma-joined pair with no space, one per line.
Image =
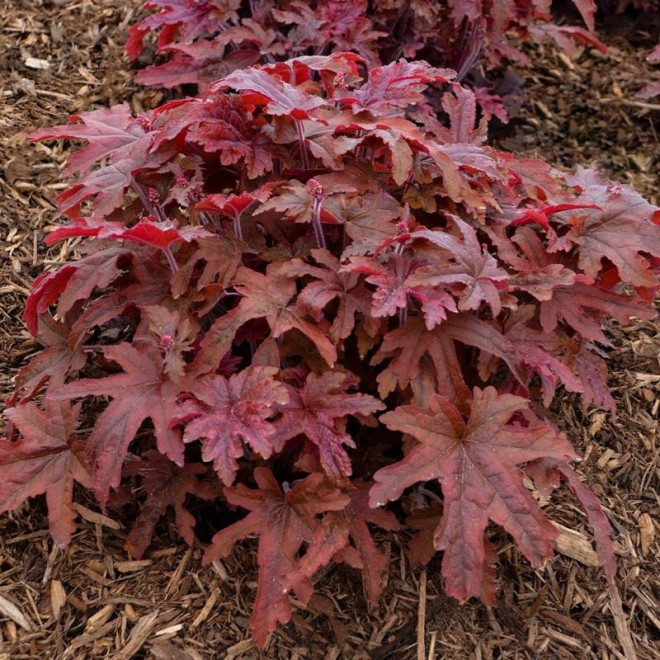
304,294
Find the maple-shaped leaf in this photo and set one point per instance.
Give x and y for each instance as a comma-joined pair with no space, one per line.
141,392
70,283
180,19
52,364
314,411
283,520
475,272
233,412
394,87
262,89
330,284
113,133
627,228
547,474
221,256
48,458
345,536
409,344
476,461
167,485
584,306
550,354
393,282
263,296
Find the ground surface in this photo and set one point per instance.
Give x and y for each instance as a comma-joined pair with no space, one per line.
90,602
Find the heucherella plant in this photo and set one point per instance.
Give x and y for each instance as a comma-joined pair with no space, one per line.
305,295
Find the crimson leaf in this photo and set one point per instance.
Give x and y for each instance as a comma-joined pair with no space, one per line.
283,520
48,458
475,461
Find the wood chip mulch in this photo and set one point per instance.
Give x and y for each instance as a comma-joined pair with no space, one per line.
90,601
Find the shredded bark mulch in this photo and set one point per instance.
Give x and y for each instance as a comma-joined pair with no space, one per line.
91,601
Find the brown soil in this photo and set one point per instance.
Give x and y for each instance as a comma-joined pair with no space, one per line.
89,601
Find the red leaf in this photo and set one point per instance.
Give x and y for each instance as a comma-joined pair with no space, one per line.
283,521
263,296
332,540
71,283
331,284
584,307
475,461
234,411
46,459
167,485
622,232
179,18
396,85
51,365
161,235
260,88
314,411
113,134
141,392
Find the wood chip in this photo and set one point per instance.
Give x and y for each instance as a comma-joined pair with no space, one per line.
206,610
139,635
57,598
36,63
646,532
14,613
96,518
576,546
421,618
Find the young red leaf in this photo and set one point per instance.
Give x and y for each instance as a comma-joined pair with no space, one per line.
475,461
314,411
48,458
233,412
260,88
141,392
394,86
166,485
283,520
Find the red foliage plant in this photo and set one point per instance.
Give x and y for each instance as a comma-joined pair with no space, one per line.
204,40
303,295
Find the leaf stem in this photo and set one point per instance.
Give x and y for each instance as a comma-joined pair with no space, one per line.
301,142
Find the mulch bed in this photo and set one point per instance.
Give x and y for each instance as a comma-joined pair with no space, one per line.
90,601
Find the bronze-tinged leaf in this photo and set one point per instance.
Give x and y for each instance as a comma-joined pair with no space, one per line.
475,460
142,391
47,458
267,296
345,536
166,485
283,521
